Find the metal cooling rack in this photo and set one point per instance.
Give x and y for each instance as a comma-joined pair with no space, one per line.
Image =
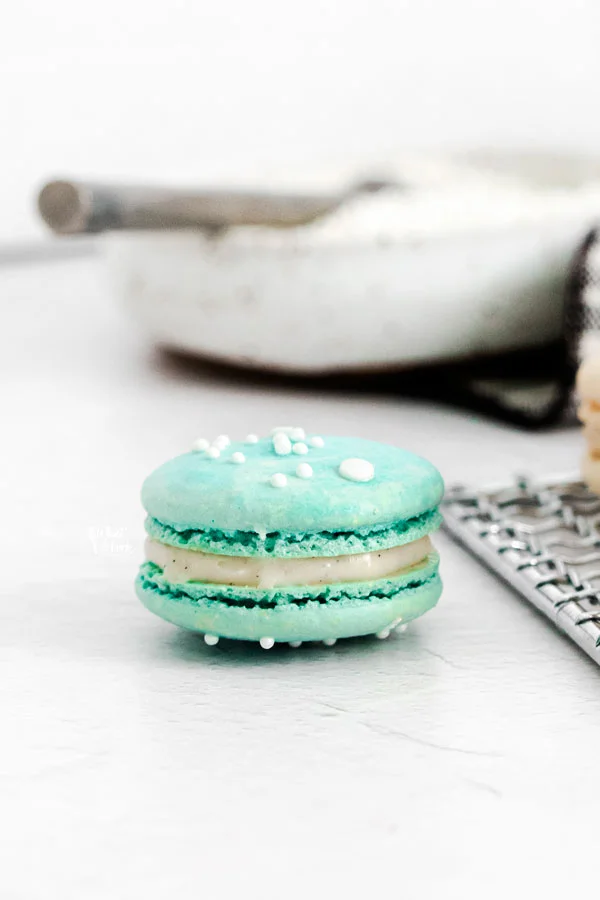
544,540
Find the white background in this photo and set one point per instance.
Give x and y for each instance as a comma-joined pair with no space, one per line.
188,89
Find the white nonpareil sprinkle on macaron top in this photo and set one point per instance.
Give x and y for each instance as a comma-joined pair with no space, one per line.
282,444
356,469
292,431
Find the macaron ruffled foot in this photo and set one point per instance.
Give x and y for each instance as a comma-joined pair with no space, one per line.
248,543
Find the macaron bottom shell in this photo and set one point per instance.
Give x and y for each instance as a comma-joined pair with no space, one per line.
352,616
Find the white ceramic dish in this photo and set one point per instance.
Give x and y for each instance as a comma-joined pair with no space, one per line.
470,260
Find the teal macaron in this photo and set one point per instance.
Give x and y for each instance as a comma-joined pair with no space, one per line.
291,537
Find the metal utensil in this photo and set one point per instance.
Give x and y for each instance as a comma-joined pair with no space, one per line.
76,207
547,547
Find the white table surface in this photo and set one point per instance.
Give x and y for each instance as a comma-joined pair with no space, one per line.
136,762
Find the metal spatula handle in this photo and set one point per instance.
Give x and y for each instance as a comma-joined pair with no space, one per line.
75,207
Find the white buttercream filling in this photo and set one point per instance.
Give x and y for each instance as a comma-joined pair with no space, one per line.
180,565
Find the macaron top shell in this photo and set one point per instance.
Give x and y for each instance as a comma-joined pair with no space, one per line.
200,491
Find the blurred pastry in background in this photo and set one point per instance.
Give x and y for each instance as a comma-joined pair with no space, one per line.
588,388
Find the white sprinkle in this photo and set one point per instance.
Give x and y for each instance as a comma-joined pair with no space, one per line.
402,628
213,452
291,431
200,444
383,634
300,449
316,441
222,441
238,457
295,644
252,439
356,470
329,642
304,471
282,444
396,622
211,639
278,480
266,643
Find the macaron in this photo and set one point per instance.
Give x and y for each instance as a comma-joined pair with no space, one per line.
290,538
